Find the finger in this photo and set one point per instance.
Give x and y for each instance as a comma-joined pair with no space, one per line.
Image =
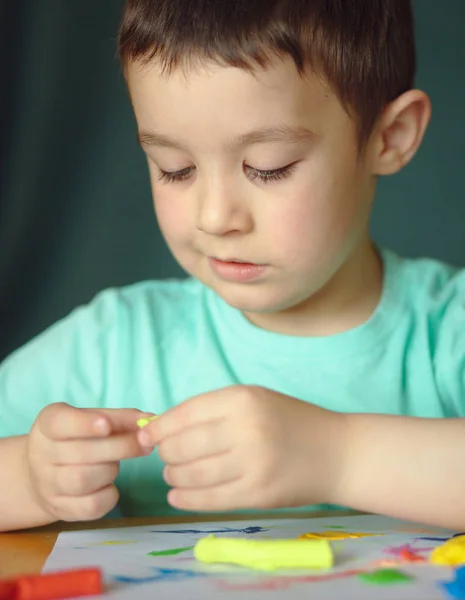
124,420
94,451
208,472
198,441
224,497
82,480
86,508
211,406
60,421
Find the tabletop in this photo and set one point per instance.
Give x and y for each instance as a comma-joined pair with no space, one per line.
24,552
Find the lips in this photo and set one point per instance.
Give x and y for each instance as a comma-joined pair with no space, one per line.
236,270
237,261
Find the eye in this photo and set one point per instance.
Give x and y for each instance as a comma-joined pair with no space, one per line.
269,175
175,176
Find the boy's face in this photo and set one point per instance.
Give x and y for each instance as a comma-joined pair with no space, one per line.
258,184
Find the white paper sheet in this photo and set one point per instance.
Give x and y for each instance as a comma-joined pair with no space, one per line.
131,572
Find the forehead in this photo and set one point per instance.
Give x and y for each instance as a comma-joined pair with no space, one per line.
214,100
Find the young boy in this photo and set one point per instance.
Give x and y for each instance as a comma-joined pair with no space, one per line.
299,364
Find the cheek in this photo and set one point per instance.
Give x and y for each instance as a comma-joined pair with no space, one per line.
166,203
302,234
321,216
174,222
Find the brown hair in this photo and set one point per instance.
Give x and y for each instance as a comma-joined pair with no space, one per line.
364,48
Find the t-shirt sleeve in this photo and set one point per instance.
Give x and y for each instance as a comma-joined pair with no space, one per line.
69,362
450,349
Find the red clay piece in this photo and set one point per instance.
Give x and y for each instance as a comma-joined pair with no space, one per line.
51,586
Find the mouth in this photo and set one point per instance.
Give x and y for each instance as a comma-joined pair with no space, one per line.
236,261
237,270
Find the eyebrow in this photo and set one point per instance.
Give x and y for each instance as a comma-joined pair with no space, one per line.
281,133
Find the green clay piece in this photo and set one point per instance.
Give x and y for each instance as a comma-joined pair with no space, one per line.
385,577
265,555
335,526
171,552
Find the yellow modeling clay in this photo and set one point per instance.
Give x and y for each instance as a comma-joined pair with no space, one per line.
450,553
265,555
143,422
334,535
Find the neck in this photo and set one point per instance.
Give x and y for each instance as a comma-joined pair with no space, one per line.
346,301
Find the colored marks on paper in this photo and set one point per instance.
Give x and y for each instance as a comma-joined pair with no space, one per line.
143,422
248,530
386,563
412,557
114,543
414,529
284,583
385,577
335,535
407,552
161,575
107,543
171,552
451,553
456,587
265,555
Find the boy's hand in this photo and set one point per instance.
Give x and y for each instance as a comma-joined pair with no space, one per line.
247,447
73,459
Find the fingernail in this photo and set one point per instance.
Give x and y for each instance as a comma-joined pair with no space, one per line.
144,439
173,499
166,475
101,426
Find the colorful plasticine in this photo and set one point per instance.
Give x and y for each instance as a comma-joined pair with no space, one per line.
51,586
456,587
450,553
265,555
145,421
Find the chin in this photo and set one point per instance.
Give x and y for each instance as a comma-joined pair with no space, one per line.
252,300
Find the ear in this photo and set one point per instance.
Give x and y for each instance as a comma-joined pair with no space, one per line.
400,131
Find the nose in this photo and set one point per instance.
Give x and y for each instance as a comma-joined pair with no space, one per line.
220,211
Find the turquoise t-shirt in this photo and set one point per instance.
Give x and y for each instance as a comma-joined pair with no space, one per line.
154,344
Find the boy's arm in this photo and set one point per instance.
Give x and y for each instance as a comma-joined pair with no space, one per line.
406,467
18,506
65,363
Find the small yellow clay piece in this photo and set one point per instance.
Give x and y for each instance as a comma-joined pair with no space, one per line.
450,553
143,422
334,535
265,555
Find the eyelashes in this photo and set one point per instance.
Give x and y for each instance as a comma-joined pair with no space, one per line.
270,174
263,176
175,176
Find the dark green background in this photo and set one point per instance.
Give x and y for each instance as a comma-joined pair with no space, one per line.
76,213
